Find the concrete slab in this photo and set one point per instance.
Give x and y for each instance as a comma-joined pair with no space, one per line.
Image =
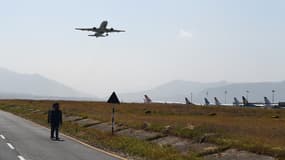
107,127
36,111
201,148
139,134
87,122
169,140
180,144
72,118
234,154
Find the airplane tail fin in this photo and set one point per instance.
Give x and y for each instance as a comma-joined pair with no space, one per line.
267,102
236,102
244,100
147,99
207,102
217,102
187,101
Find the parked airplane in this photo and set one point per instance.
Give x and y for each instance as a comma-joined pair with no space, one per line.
102,31
147,99
267,102
236,102
187,101
256,104
246,103
217,102
207,102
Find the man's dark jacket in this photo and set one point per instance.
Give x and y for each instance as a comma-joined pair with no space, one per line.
55,117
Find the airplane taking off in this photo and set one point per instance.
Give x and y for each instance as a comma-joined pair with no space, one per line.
102,31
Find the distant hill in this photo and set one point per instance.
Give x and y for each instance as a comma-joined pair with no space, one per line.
172,91
257,91
176,91
16,85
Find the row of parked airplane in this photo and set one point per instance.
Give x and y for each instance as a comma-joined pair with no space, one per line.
236,102
244,103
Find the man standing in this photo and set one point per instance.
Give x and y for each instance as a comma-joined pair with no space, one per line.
55,120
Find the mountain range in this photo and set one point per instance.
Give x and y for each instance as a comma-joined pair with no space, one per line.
35,86
17,85
177,90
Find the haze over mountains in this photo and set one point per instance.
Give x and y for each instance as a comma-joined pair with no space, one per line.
33,86
176,91
16,85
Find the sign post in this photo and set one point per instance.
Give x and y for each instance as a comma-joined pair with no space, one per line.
114,100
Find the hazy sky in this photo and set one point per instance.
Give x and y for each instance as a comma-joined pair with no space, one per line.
201,40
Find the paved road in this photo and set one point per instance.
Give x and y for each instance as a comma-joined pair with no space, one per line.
23,140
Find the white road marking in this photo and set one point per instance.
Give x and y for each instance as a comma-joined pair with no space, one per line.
11,146
21,158
2,136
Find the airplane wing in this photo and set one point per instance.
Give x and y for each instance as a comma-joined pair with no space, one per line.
114,30
118,31
85,29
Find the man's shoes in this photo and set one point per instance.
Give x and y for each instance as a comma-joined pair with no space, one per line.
57,139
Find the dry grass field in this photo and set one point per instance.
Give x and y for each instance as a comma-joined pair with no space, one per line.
254,129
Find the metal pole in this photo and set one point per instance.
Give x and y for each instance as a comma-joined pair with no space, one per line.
247,91
226,96
113,119
273,92
191,97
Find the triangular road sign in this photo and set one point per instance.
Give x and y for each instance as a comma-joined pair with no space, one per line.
113,99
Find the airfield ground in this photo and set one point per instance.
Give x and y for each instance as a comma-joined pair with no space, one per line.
167,131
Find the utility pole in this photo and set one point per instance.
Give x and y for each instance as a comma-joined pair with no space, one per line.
273,92
247,92
226,92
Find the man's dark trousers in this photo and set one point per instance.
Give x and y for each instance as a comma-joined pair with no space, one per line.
54,128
